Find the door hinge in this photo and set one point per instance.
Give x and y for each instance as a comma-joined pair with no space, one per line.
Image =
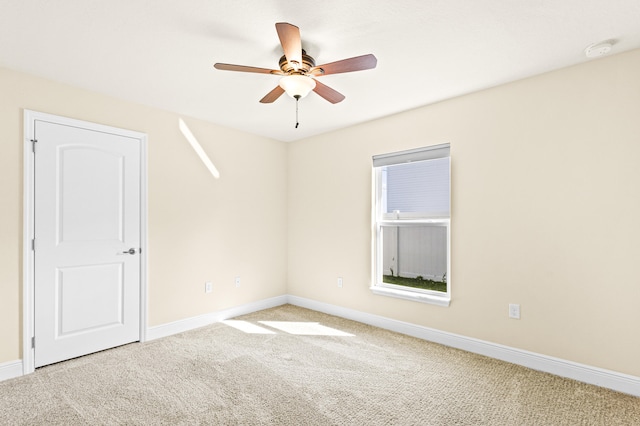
33,244
33,145
33,342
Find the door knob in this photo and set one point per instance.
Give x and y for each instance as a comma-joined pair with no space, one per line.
130,251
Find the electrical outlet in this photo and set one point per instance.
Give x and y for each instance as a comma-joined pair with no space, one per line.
340,282
514,311
208,287
237,281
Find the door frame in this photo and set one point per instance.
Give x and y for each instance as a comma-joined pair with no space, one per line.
28,220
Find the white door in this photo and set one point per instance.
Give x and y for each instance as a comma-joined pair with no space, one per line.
87,241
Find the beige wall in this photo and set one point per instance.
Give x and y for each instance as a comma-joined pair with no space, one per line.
545,213
200,229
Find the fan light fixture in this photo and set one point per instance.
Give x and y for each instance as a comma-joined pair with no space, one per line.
297,86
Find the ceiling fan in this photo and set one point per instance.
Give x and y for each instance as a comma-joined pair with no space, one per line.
299,70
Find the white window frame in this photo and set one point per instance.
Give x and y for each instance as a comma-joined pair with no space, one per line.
381,219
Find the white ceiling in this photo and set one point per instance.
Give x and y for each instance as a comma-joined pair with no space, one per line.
161,52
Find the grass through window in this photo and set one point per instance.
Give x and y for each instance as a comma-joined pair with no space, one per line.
416,283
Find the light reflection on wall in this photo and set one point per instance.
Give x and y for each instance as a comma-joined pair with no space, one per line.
197,148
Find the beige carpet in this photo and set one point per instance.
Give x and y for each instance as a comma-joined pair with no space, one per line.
290,371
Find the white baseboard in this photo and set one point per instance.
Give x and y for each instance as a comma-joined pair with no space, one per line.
584,373
187,324
11,369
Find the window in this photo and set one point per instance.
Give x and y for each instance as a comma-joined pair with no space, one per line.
412,218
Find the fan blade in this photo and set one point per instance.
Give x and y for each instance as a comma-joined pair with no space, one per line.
358,63
291,45
272,95
328,93
243,68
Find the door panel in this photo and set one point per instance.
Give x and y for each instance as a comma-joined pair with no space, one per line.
87,216
82,198
82,308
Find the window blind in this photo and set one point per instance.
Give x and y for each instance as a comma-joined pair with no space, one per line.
415,181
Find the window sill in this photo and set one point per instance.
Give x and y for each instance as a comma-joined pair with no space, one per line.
411,295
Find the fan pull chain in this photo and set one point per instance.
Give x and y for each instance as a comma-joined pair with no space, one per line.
297,99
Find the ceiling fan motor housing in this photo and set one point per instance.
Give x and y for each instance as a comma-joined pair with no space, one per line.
307,63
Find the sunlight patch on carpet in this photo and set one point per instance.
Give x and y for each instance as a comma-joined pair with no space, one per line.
248,327
299,328
305,328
